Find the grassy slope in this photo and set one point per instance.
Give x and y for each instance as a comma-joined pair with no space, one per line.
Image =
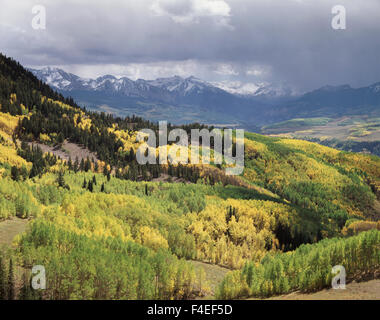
10,228
294,125
369,290
213,276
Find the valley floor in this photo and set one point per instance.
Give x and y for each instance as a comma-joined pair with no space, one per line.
353,128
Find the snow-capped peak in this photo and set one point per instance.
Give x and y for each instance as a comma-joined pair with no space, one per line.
55,77
256,89
177,84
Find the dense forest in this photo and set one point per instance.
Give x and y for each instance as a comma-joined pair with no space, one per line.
298,209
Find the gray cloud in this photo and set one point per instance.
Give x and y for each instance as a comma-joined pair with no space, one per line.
248,40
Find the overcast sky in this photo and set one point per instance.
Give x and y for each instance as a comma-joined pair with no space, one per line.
288,41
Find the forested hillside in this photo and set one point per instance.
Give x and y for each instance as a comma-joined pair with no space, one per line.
307,269
106,227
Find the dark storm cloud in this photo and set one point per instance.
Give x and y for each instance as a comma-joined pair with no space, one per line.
248,40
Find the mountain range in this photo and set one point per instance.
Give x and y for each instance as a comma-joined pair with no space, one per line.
176,85
183,100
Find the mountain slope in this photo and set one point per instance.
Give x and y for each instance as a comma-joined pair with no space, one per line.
337,101
58,119
108,229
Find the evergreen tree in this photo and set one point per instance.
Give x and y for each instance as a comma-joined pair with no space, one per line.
3,285
24,172
61,180
143,173
70,164
76,165
131,155
26,292
35,171
90,186
60,138
15,173
11,281
87,165
81,166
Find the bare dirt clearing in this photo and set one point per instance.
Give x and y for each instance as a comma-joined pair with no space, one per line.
67,150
